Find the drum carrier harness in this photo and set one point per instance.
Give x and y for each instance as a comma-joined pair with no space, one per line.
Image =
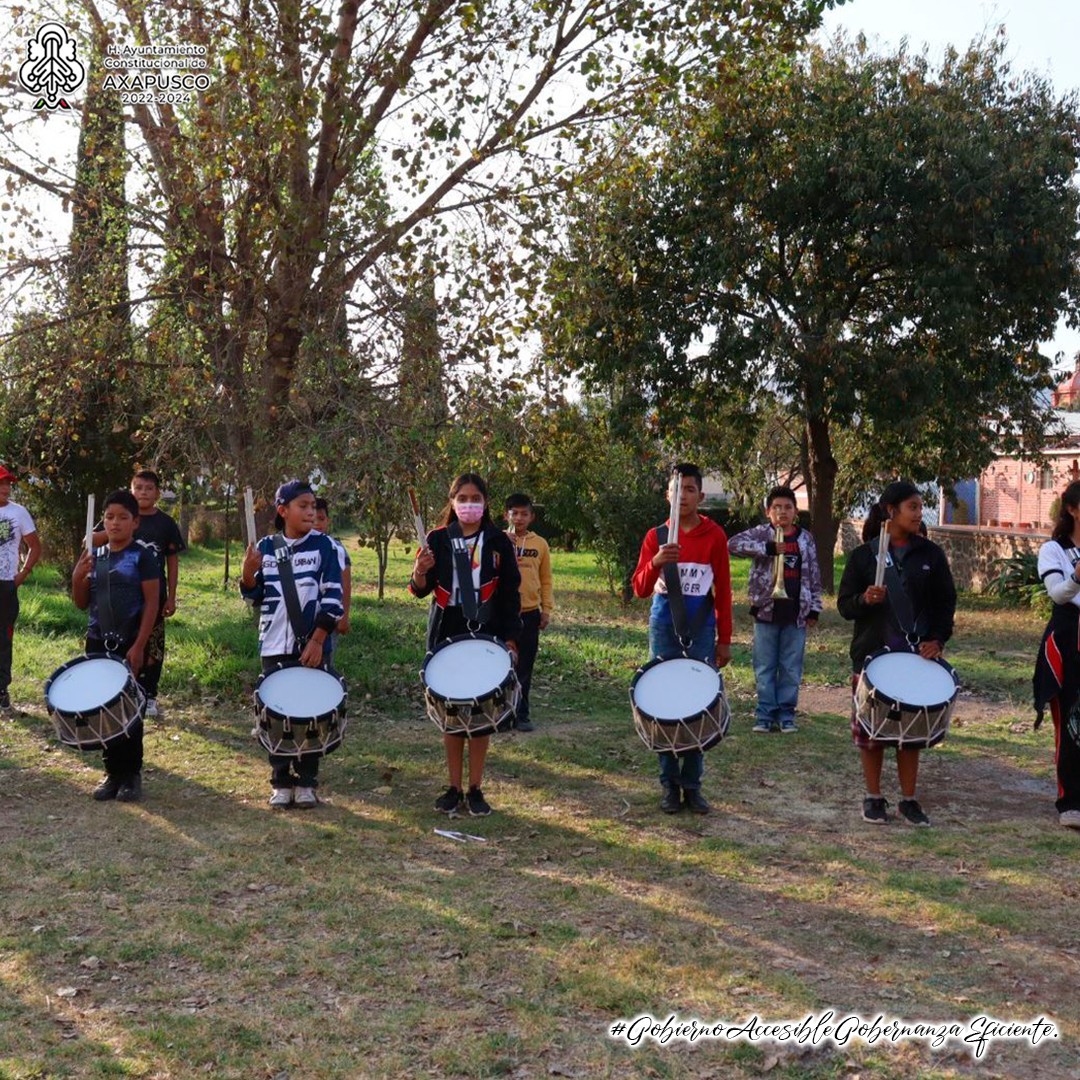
685,629
110,633
283,554
900,603
475,612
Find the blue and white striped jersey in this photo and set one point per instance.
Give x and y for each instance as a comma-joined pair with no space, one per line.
318,585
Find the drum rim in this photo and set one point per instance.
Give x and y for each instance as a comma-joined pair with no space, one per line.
896,702
262,707
50,707
690,717
510,675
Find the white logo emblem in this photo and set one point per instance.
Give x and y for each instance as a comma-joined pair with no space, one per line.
52,69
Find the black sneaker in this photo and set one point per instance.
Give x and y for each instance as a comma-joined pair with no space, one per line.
5,701
912,813
477,804
448,801
671,803
524,725
874,810
695,801
107,789
130,789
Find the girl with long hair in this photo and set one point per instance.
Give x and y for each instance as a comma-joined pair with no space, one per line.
927,581
1057,669
495,582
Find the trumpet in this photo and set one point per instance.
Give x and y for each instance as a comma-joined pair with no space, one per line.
779,592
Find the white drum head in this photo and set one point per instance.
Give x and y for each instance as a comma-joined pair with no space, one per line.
910,680
299,692
88,685
468,669
676,689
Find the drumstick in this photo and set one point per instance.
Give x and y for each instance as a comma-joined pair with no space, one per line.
418,521
249,512
673,517
882,554
90,524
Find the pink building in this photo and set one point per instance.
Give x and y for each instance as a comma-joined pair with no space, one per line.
1013,493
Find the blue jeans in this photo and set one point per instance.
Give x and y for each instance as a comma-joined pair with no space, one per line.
683,770
778,667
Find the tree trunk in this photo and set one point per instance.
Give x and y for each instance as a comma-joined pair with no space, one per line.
382,552
821,482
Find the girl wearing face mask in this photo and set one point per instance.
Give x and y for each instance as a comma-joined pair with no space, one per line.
496,581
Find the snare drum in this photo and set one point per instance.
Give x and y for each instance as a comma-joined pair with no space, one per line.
470,687
905,700
679,705
300,710
93,700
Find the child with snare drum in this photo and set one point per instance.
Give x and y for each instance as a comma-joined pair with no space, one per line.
1057,669
316,576
704,574
924,576
118,583
492,586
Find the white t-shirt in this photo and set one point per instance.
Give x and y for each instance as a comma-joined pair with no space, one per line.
15,523
1056,565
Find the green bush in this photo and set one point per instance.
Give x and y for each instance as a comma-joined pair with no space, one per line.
1017,582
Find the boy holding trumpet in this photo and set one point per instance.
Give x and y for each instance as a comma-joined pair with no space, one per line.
785,600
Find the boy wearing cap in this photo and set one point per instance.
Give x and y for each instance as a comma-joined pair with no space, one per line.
317,574
16,529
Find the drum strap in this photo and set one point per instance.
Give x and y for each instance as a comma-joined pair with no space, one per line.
899,601
105,613
470,606
288,589
685,630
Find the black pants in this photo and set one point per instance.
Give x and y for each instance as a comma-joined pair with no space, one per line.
1067,756
9,612
154,659
528,645
287,771
123,757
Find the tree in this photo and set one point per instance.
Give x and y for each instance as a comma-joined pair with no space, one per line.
875,245
73,391
335,142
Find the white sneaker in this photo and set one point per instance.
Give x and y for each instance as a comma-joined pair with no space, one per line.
151,707
306,798
1070,819
283,796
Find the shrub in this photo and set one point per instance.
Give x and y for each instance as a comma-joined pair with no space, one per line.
1017,583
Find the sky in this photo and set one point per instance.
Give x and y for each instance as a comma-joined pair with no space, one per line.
1043,36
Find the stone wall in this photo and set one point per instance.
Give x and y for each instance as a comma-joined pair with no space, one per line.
971,550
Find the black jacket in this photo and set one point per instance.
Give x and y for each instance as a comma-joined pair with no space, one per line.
928,583
500,582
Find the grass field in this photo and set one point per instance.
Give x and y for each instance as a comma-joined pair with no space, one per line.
199,934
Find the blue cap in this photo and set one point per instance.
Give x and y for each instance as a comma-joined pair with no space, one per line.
290,490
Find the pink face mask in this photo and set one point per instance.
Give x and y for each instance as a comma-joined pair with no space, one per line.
469,513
